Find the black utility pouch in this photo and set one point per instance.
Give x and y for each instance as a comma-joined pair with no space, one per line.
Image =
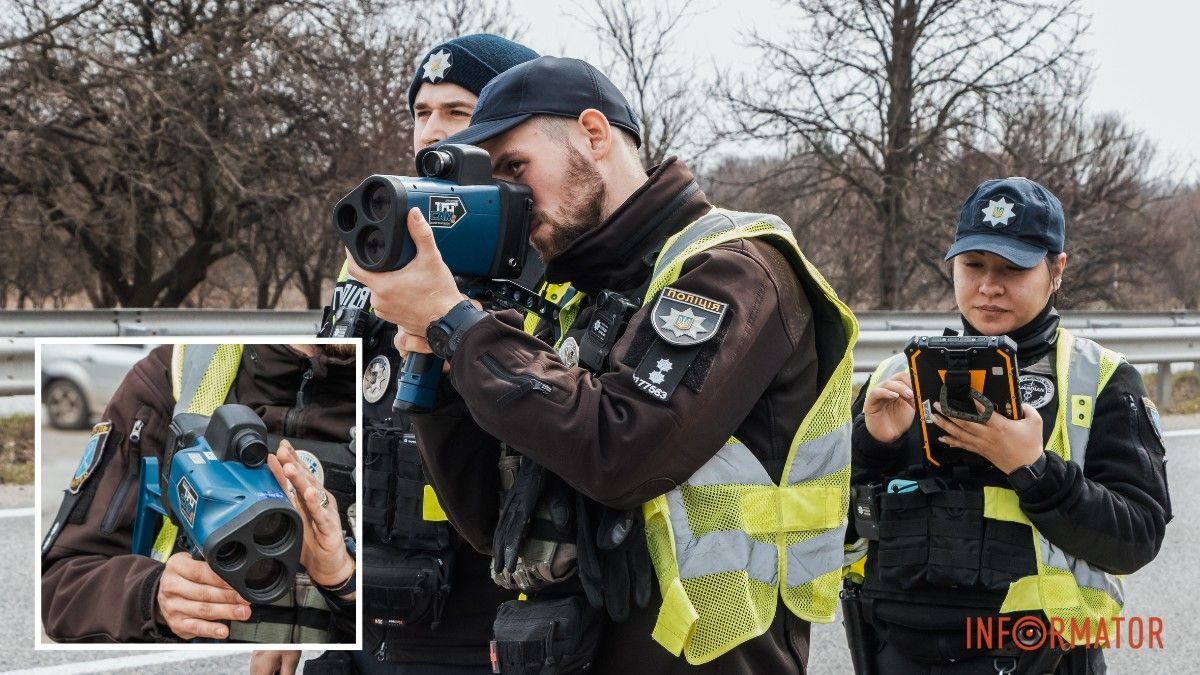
903,539
545,637
404,588
1008,554
955,538
330,663
407,527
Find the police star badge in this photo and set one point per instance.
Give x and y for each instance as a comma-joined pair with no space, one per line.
310,462
998,212
568,351
376,377
685,319
436,65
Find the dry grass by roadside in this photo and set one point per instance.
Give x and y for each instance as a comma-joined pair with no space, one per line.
16,449
1185,391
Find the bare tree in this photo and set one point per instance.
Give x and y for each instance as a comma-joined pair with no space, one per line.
152,140
1101,171
1178,270
882,92
156,135
639,40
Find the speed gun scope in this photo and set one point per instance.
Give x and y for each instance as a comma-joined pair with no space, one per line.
480,224
214,485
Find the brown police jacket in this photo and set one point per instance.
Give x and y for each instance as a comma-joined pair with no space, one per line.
614,442
93,588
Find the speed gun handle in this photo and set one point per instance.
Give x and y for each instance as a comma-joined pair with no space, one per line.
416,388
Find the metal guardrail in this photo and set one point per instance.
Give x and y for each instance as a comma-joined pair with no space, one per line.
135,322
1159,338
887,320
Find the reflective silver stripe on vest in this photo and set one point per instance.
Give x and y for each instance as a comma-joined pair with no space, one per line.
718,552
713,223
195,363
733,464
822,455
815,557
1085,575
1083,379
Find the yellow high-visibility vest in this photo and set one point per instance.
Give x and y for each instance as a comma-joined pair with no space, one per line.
728,542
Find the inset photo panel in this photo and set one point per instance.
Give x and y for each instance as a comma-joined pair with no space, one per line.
197,491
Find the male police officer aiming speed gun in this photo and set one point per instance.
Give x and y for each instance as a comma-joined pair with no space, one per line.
718,404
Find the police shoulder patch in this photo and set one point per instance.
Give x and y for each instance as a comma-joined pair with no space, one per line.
1153,416
685,319
682,324
93,452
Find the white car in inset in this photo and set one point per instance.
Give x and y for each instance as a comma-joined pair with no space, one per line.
79,379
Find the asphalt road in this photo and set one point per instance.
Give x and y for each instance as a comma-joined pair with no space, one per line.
1163,589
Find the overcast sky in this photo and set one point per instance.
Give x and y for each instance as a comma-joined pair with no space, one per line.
1146,56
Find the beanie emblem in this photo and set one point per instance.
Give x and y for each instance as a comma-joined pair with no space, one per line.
998,212
437,65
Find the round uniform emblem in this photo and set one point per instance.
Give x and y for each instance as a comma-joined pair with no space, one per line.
568,351
376,378
313,464
1036,390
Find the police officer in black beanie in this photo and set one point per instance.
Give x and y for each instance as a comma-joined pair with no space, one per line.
428,599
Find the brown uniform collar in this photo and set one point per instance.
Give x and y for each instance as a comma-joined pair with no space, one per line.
612,255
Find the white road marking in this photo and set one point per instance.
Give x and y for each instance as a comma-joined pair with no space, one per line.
106,665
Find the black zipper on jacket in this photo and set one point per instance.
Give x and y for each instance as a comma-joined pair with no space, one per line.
132,469
1135,430
523,383
293,415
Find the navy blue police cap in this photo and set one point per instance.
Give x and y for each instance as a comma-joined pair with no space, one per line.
1015,218
470,61
546,86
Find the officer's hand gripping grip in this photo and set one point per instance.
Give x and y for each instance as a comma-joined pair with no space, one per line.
418,384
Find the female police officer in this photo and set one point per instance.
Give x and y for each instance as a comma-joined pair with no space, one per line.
1024,526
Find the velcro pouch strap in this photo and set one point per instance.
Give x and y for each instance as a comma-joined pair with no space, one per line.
375,480
915,527
957,499
952,528
903,557
952,558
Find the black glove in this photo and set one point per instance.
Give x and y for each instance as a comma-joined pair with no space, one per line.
519,505
614,563
587,555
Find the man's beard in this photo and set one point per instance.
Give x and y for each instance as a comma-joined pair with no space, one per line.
581,212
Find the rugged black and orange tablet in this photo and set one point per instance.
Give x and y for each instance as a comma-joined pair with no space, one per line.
957,371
